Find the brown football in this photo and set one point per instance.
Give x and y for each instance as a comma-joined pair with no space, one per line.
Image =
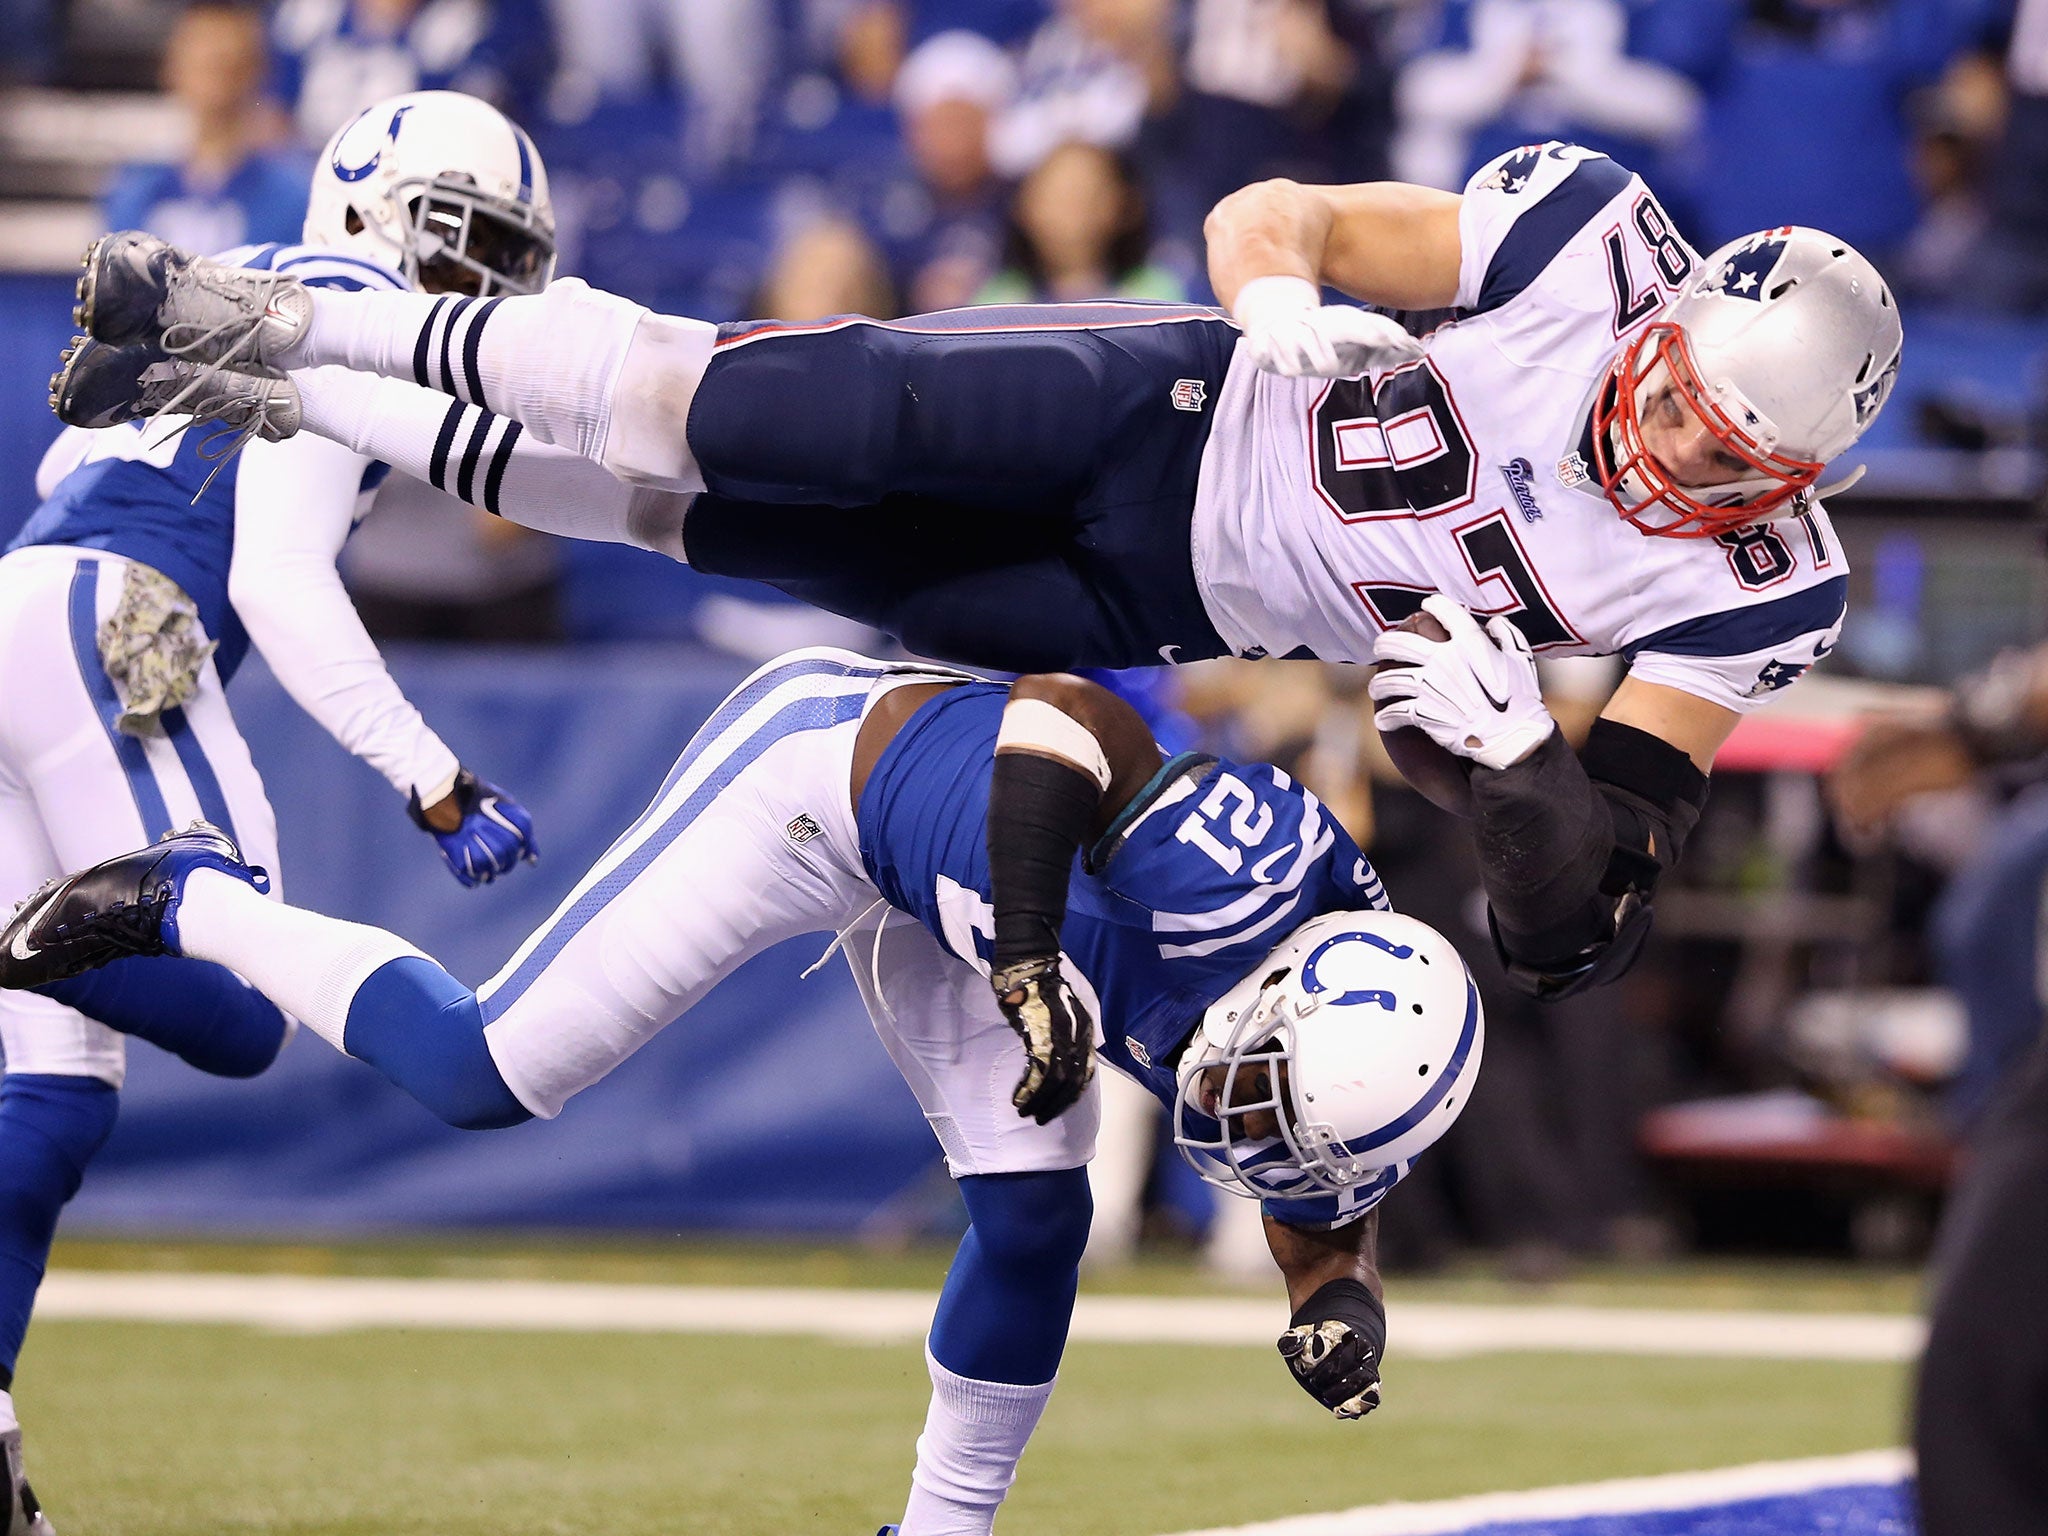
1443,777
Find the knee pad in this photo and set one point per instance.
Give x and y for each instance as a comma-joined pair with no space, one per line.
1035,1222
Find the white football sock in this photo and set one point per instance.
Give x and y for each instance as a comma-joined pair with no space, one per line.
309,965
553,361
489,461
974,1434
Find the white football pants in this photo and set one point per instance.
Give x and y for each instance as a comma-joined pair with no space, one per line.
74,790
751,841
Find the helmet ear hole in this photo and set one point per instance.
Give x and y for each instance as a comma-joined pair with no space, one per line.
352,222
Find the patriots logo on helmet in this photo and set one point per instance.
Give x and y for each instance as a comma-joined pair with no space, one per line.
1870,399
1515,171
1745,274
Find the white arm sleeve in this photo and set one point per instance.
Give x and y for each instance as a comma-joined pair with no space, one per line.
294,505
487,460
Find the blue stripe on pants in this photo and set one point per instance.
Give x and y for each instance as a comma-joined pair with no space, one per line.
816,712
149,798
213,804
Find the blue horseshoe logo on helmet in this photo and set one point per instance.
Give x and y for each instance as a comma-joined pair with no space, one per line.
358,172
1357,994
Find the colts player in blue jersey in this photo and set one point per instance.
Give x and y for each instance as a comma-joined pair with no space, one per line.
126,603
1004,866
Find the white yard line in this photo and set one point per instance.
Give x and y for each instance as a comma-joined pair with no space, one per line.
1628,1496
1416,1330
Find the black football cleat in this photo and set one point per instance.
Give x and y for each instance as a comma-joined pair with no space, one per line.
126,905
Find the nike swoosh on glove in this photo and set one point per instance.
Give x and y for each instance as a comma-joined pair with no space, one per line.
1058,1035
1289,330
495,836
1335,1345
1475,694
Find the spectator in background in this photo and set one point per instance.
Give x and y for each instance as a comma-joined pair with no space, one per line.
1094,72
335,57
719,53
1611,75
941,222
231,186
1297,88
1807,119
826,267
1078,230
2012,267
1955,124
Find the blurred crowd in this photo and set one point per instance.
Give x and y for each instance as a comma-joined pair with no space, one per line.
731,157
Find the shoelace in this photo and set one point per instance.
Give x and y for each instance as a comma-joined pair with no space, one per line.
194,337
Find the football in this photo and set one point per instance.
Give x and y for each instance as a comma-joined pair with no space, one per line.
1443,777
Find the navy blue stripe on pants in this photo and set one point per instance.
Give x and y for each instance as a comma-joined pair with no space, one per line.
134,761
1017,495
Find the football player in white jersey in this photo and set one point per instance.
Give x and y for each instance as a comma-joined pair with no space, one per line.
1600,443
127,601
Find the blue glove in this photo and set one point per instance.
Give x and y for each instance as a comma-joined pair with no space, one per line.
496,833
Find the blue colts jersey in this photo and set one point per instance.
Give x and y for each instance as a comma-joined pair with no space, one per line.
1203,874
143,493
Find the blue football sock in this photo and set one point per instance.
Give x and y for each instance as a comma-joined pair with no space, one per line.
50,1127
422,1028
198,1011
1009,1296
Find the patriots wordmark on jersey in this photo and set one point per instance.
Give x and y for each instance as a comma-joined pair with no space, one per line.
1327,509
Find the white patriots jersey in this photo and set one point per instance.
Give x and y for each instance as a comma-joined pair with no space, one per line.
1327,510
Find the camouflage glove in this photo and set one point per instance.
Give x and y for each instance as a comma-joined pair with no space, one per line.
1058,1036
1335,1345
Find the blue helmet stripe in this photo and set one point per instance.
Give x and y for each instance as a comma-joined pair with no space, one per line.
1437,1089
525,149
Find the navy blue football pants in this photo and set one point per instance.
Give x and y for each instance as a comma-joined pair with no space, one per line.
1006,487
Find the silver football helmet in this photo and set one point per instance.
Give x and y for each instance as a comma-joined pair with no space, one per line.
440,187
1338,1059
1785,344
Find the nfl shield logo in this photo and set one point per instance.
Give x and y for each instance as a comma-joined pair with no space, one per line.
1188,394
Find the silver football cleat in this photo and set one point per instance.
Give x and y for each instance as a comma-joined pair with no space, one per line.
137,288
103,386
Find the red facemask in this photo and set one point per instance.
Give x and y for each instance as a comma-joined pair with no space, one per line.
1618,451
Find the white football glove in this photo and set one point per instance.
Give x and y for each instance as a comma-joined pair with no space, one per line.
1288,329
1474,694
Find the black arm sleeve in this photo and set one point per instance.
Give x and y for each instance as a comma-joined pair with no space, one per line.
1040,812
1571,847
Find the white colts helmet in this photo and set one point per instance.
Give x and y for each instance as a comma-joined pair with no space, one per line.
1351,1048
1785,344
440,187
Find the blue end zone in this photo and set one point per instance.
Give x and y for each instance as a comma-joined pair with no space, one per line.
1868,1510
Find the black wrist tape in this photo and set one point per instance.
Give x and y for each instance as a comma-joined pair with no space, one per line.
1040,812
1348,1301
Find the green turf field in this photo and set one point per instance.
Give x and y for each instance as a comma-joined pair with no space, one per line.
149,1430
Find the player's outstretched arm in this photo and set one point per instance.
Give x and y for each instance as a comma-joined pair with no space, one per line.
1070,754
294,505
1338,1332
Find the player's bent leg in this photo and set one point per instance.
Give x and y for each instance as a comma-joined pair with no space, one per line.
751,841
202,1013
1002,1319
366,992
582,369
